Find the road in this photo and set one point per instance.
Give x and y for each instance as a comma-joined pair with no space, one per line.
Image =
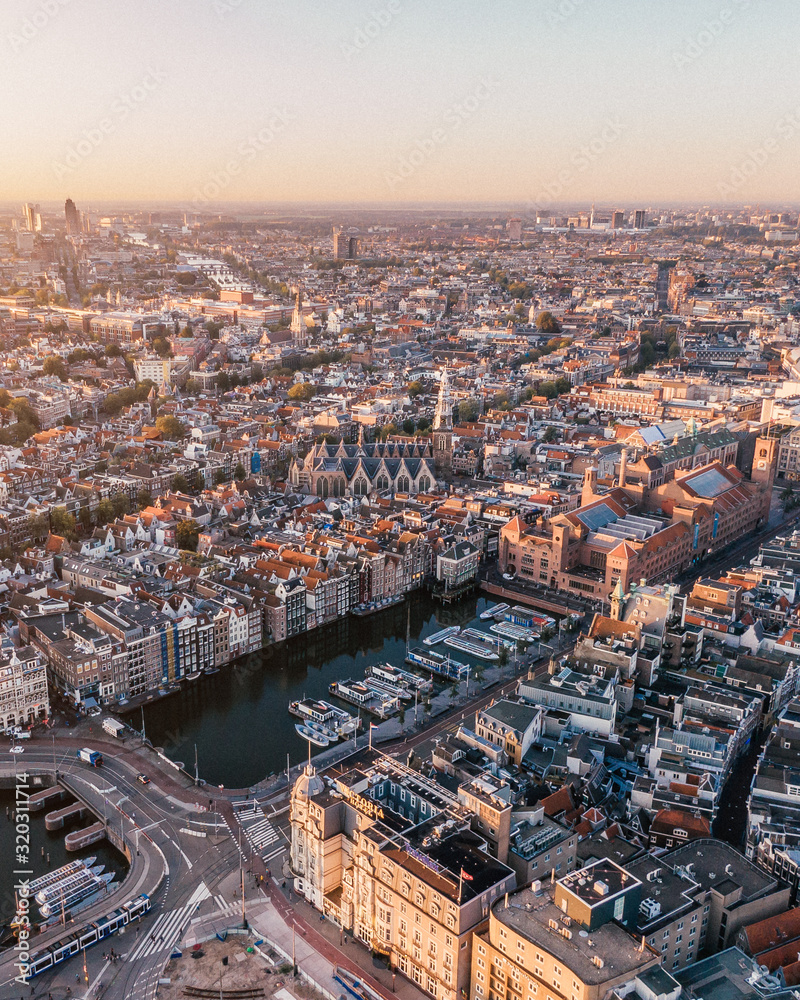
193,874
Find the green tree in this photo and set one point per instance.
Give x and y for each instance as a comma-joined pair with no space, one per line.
63,523
186,535
55,366
171,428
223,382
180,484
113,351
674,350
409,426
547,323
550,435
144,498
25,413
85,517
105,511
415,388
423,424
219,477
239,472
468,410
121,504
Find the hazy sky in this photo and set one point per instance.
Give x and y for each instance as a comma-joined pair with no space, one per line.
533,101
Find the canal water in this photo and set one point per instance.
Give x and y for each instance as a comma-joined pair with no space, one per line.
52,844
239,720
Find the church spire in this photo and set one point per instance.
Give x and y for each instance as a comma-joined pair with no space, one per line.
443,419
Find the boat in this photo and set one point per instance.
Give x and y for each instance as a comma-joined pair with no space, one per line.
384,688
496,643
63,901
58,874
481,650
310,735
193,675
436,663
323,731
493,612
208,671
516,632
398,678
56,889
528,618
98,885
370,607
441,635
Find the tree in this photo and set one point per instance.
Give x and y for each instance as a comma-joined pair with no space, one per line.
502,656
63,523
219,477
193,386
674,350
415,388
550,435
113,351
161,346
302,391
25,413
121,504
223,382
85,517
547,323
408,426
105,511
423,424
239,472
171,427
186,534
468,410
144,498
55,366
180,484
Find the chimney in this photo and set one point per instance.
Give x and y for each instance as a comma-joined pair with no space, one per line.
623,467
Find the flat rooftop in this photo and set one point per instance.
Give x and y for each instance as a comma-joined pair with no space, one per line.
529,915
598,881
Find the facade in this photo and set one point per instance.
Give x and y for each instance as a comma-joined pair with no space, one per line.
390,856
23,685
563,940
458,566
338,470
443,429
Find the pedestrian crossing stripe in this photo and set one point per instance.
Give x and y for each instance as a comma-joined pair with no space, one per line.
168,927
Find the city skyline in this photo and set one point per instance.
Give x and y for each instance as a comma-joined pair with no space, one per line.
394,104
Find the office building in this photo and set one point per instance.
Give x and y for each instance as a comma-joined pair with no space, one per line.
72,217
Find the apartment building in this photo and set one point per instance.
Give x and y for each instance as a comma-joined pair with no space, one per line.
563,940
580,702
23,685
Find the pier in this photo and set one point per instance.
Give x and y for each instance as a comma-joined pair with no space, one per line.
79,839
46,797
55,820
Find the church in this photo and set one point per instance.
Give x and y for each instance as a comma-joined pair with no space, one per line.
408,466
337,470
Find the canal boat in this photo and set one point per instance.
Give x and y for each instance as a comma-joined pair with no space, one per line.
311,736
55,889
437,664
398,678
496,643
441,635
472,647
323,731
60,873
494,612
77,895
516,632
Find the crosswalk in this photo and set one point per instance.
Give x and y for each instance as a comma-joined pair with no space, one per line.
168,927
263,836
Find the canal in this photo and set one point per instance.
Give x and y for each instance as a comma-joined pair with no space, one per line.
238,719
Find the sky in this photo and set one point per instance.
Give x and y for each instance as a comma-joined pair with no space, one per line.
529,102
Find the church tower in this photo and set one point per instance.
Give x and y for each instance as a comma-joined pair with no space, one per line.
298,325
443,429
